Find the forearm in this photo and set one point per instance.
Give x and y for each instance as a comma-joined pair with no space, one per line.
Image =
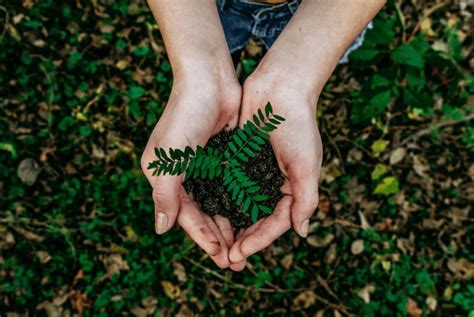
193,35
312,43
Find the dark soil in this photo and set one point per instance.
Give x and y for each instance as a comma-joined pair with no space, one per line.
213,197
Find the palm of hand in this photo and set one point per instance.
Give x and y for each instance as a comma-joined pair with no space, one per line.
297,147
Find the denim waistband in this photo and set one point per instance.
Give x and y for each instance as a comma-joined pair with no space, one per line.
261,9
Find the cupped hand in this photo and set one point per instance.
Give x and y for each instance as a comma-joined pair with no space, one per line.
199,107
298,150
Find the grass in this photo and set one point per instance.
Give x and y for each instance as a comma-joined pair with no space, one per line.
82,85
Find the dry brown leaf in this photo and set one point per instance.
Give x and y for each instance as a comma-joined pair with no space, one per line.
287,261
304,299
318,242
28,171
431,303
43,256
365,292
331,254
28,234
171,290
397,155
413,309
357,246
180,272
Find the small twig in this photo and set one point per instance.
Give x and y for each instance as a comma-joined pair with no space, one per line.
7,17
401,16
436,126
331,140
428,12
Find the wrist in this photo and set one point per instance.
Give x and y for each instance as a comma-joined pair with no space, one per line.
278,79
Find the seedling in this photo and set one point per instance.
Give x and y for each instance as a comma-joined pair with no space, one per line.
209,163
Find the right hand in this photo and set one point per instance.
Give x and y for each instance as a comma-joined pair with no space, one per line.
199,107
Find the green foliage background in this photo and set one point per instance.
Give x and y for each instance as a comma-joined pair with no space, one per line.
82,85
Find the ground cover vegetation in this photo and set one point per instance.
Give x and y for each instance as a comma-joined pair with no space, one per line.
83,83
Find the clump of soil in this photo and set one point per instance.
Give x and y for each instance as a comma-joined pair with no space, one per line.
213,197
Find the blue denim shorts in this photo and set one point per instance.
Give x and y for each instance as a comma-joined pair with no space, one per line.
244,19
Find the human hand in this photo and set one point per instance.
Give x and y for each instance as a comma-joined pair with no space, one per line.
298,150
200,105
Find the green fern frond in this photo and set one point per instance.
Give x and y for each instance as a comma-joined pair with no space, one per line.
210,163
200,163
244,191
247,142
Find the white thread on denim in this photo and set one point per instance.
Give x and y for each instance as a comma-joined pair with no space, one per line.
355,45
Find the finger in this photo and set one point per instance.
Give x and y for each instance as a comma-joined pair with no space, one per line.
222,258
194,223
269,230
225,228
237,267
306,199
235,256
167,202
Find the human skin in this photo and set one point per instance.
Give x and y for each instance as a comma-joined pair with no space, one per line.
291,76
206,98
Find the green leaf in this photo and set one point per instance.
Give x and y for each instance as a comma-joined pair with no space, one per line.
406,54
255,146
164,155
254,213
180,154
248,152
135,92
253,189
176,168
157,153
231,145
173,155
237,140
204,173
255,119
279,117
378,171
379,146
246,205
192,163
232,186
184,164
260,115
260,198
218,170
389,185
265,209
263,135
268,127
268,109
235,192
259,140
212,172
240,198
199,161
200,151
242,135
188,151
242,157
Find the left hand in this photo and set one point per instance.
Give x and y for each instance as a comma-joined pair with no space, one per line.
298,150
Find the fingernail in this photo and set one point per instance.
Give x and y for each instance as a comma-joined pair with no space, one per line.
304,228
161,223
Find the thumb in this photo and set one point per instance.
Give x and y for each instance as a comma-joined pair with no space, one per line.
166,199
305,201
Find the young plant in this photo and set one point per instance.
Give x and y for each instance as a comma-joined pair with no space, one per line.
209,163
